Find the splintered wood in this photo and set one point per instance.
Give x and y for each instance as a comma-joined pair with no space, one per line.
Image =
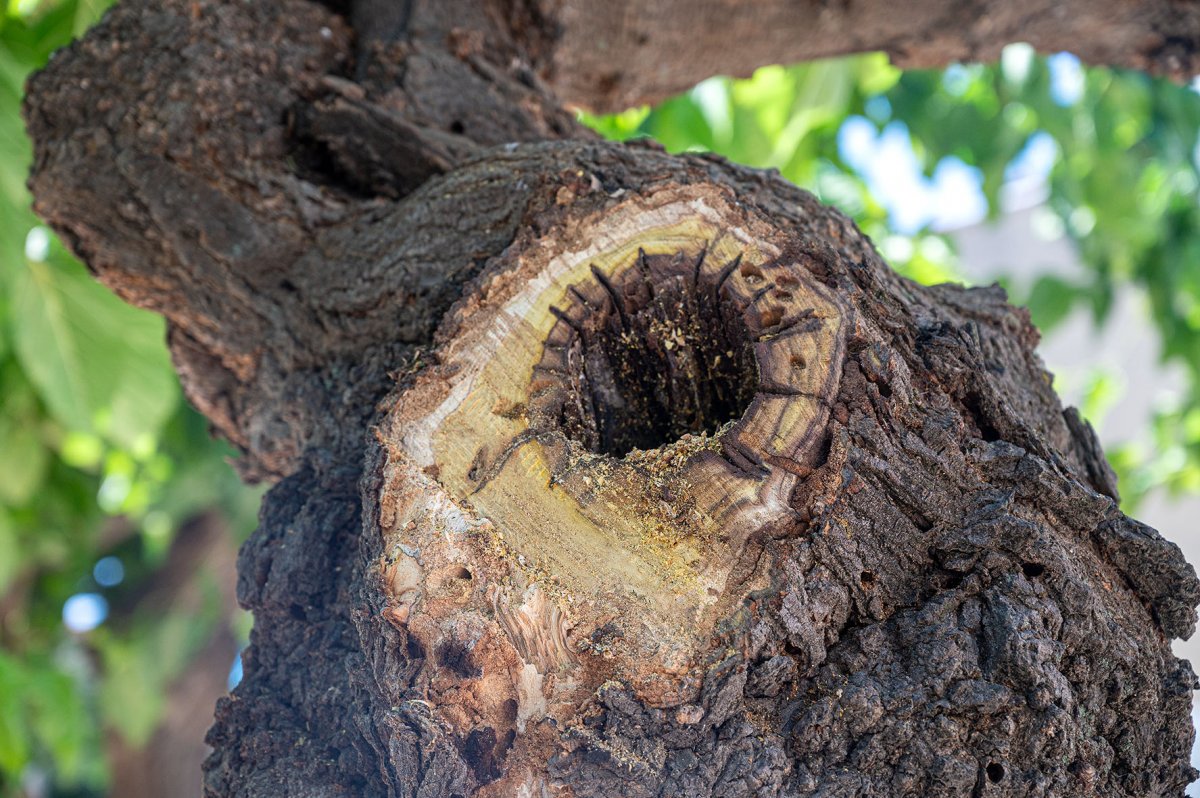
570,491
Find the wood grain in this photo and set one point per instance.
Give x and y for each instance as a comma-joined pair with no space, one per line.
585,565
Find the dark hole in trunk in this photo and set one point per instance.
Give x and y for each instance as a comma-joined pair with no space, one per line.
659,353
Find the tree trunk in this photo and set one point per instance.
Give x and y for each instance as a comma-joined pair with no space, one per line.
601,471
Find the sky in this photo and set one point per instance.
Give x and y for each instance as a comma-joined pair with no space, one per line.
953,196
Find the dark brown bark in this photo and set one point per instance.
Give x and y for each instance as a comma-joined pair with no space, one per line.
615,55
950,601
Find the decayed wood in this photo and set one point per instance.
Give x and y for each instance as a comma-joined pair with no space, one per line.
689,494
512,533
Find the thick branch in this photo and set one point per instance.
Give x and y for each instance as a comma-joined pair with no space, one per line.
609,56
614,55
206,159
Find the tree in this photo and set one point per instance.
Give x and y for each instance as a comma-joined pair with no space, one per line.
600,467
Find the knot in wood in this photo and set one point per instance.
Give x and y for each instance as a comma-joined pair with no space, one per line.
613,418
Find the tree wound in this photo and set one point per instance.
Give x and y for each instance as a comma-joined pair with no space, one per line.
601,439
640,359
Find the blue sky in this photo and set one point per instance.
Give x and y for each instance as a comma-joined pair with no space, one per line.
953,196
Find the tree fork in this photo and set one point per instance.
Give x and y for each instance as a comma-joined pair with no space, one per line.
688,494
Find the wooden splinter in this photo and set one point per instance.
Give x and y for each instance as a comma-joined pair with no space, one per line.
570,492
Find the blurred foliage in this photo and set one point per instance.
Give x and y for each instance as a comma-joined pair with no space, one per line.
99,457
1115,153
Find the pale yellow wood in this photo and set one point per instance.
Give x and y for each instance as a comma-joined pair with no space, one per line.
501,527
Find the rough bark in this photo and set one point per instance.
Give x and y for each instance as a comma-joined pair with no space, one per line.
615,55
865,552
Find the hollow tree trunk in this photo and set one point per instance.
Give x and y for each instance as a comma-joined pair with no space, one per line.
601,471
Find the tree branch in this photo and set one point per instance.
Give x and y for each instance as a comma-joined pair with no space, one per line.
610,56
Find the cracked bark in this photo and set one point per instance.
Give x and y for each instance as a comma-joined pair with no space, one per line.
730,509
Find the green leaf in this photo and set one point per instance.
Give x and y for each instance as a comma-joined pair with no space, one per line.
23,462
140,667
1050,300
10,559
15,153
91,357
132,694
14,738
62,723
617,127
148,391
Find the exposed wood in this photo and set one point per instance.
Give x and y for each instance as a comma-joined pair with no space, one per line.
510,529
923,552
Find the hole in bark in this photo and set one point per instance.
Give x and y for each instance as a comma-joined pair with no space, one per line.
457,127
656,352
995,772
480,752
974,406
314,161
461,573
1033,569
952,579
597,756
457,657
868,579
